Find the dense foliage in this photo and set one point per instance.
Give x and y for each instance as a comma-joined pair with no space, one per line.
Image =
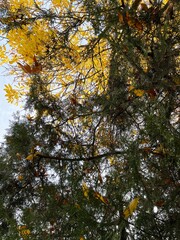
96,154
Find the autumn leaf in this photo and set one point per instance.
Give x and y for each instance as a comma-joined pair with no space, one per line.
138,25
26,68
121,18
11,94
130,21
160,203
82,238
101,198
62,3
33,154
85,190
151,93
139,92
24,231
4,58
130,88
22,227
131,208
112,160
164,2
36,68
20,177
30,157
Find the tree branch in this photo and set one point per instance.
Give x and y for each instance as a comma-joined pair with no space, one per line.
81,158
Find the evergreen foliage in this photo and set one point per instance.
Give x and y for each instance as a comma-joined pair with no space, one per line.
97,154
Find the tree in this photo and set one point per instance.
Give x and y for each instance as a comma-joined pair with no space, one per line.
96,155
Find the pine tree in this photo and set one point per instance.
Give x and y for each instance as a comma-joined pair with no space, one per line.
96,155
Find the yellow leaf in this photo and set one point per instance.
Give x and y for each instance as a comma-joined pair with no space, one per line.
130,88
62,3
85,190
131,208
4,58
101,198
126,2
112,160
15,5
139,92
30,157
165,2
11,94
25,232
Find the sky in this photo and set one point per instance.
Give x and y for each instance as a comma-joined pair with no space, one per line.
6,109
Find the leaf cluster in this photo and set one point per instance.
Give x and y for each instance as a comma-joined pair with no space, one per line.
96,156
